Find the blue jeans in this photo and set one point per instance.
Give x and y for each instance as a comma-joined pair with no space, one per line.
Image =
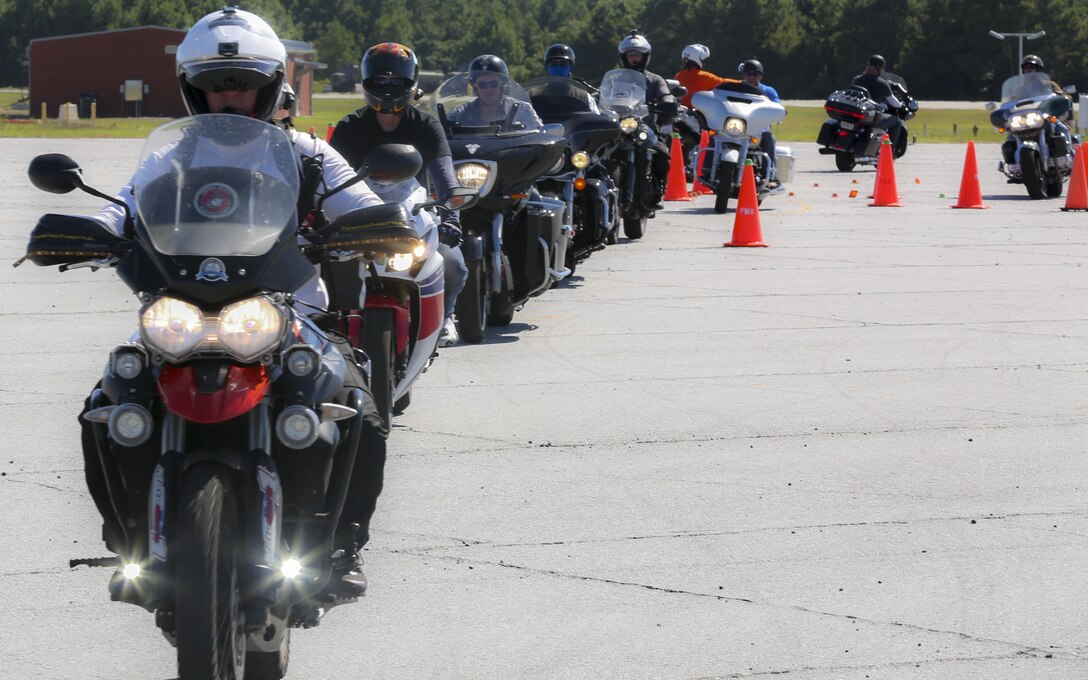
456,274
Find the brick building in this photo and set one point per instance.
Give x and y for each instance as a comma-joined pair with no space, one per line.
130,72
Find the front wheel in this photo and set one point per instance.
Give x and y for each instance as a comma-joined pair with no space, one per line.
502,306
634,227
269,665
211,636
726,172
473,303
845,161
1031,169
379,343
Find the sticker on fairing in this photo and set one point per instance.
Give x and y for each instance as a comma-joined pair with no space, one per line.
157,515
269,484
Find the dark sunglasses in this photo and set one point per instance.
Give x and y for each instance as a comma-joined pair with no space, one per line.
752,73
488,84
388,81
230,85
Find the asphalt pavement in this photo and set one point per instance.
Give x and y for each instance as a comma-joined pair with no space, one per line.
856,453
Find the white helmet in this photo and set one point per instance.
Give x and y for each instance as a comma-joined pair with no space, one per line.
696,54
635,43
232,49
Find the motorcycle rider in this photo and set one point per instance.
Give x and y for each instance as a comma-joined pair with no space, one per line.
231,61
559,62
489,76
634,53
752,70
390,75
693,76
1034,64
881,93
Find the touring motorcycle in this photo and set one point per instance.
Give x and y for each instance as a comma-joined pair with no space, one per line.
582,182
851,134
1039,150
623,98
738,113
225,431
514,242
399,324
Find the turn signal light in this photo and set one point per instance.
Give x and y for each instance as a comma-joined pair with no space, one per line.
579,183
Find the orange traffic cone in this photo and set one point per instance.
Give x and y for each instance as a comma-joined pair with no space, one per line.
885,195
698,187
746,228
311,130
1077,199
970,191
328,133
676,188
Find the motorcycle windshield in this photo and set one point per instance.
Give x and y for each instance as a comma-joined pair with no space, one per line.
506,106
217,185
623,92
1026,86
555,95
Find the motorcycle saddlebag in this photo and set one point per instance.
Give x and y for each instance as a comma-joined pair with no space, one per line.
543,220
851,106
783,163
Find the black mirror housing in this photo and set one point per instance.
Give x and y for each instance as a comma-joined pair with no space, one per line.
55,173
391,163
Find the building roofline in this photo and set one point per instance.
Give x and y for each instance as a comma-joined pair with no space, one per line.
182,31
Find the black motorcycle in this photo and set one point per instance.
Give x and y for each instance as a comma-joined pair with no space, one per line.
226,434
628,159
583,183
851,133
514,243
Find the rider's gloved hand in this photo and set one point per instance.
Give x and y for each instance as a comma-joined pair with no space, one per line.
449,233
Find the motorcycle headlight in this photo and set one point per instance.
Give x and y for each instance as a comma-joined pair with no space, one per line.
172,327
401,262
473,175
1026,121
249,328
735,127
580,160
628,125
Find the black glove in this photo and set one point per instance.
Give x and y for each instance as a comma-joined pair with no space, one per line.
449,233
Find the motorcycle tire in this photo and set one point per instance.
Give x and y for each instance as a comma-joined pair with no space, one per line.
901,144
404,402
210,629
1054,185
502,306
473,304
613,236
845,161
634,227
570,262
726,172
379,343
1031,169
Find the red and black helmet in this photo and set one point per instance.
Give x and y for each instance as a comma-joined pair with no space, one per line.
389,72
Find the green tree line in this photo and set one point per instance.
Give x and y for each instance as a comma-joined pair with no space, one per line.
808,47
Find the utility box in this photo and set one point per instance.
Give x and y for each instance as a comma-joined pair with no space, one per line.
68,113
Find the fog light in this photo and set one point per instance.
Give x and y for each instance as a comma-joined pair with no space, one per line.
301,361
297,427
130,425
291,568
131,571
127,365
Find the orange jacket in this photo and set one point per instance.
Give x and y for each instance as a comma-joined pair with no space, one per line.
698,81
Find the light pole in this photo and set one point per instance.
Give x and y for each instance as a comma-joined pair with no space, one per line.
1029,36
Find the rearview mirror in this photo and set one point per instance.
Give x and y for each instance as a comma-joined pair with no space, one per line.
55,173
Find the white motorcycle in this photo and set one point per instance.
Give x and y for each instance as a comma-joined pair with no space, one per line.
738,113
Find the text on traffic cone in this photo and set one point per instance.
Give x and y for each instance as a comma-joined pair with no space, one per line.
746,228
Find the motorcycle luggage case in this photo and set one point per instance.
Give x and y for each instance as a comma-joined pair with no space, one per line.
852,106
783,164
543,221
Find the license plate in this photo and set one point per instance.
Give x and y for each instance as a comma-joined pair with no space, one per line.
846,126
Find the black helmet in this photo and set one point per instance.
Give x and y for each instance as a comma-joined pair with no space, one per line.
750,66
559,52
1031,60
487,63
877,61
389,72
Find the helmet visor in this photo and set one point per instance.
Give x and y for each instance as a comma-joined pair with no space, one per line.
219,75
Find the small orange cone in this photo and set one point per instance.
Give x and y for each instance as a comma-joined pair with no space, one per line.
328,133
970,191
311,130
676,188
698,187
1077,199
746,229
885,195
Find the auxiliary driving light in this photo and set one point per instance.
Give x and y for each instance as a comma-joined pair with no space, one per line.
297,427
130,425
301,361
131,571
126,365
291,568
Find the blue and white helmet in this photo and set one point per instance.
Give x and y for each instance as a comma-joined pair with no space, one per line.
232,49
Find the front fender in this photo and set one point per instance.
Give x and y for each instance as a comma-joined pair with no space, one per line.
730,155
